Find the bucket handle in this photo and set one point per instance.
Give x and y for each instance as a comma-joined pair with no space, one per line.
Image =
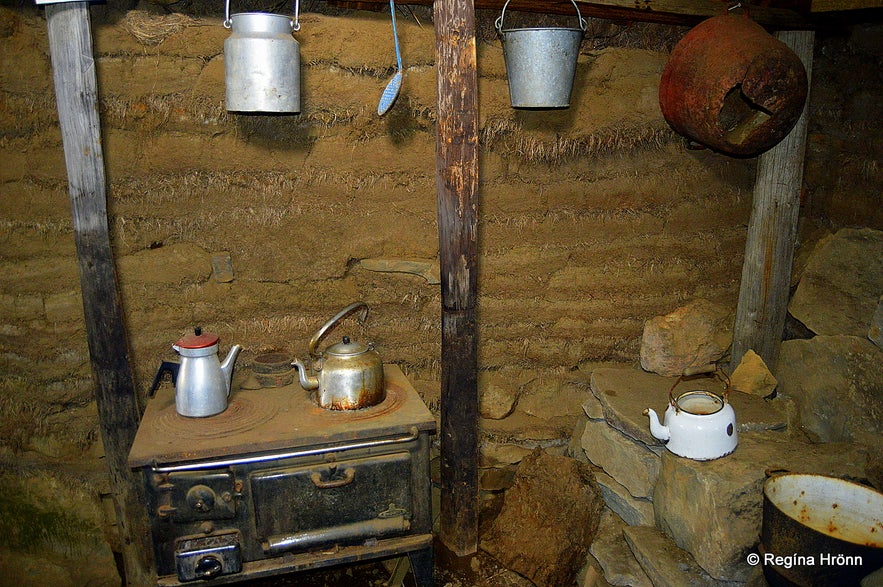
295,24
499,22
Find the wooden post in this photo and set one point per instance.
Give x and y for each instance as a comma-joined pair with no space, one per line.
76,92
772,231
456,192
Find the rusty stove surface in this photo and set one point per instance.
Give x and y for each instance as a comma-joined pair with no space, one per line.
271,419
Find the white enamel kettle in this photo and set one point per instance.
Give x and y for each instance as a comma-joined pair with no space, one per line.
698,424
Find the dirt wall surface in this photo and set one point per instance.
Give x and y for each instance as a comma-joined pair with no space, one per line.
593,219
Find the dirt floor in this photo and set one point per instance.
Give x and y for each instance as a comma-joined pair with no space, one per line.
593,219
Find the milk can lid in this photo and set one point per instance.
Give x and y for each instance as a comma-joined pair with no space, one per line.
198,340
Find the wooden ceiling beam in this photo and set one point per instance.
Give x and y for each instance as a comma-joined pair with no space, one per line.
772,14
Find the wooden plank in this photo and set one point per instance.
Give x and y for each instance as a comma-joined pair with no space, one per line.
76,91
842,5
792,14
772,231
456,192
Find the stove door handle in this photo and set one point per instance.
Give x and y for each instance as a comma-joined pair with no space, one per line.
349,474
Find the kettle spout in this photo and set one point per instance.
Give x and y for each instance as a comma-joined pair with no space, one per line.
306,381
227,366
658,431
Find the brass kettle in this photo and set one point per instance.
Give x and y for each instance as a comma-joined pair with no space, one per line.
348,374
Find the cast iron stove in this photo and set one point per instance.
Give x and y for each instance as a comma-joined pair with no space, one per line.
276,484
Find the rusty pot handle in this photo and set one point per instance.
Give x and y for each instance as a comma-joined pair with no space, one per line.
776,471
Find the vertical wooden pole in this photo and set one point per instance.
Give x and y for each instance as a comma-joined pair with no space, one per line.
772,231
76,92
456,191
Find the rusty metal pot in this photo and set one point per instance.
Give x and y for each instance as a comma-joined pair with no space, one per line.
824,530
732,86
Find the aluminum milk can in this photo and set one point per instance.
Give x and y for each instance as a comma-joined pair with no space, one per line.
262,62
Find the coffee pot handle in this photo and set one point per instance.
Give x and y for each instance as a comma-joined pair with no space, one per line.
314,342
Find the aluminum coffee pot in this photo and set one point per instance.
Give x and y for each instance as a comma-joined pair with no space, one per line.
349,375
203,382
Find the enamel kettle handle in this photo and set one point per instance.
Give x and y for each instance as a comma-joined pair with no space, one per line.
314,342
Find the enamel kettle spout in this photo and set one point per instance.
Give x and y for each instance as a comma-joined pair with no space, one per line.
227,366
306,381
658,431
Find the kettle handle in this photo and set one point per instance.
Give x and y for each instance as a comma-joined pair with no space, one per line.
314,342
710,370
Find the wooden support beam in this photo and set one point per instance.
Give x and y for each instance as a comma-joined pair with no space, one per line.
456,191
76,92
772,232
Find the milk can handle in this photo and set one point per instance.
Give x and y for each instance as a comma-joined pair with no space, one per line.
295,24
499,22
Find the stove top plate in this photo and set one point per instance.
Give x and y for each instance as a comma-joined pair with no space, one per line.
271,419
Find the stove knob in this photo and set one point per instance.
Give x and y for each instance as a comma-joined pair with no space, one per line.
201,499
208,567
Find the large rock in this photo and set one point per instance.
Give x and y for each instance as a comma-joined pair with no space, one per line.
696,334
713,509
548,521
752,376
498,395
836,382
841,285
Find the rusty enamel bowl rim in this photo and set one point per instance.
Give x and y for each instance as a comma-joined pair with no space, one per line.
829,505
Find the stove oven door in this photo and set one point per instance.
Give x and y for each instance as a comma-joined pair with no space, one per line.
349,501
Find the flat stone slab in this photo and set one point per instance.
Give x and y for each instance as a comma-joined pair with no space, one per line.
662,561
841,284
609,548
624,393
634,511
836,382
633,464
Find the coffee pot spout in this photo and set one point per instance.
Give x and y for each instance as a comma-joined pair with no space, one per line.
227,366
658,431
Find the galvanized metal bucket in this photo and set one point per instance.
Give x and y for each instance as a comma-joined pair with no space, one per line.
541,62
262,62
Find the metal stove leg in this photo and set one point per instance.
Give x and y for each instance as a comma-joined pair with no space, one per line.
400,569
421,565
